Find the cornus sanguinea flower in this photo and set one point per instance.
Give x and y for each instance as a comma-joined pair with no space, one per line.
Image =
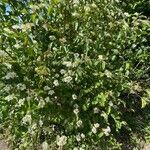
46,88
76,55
10,75
100,57
40,123
94,5
41,103
47,99
21,101
62,71
96,125
45,146
67,79
56,83
61,140
96,110
26,119
21,86
82,135
7,88
74,96
79,123
51,92
106,131
94,130
78,137
76,1
10,97
76,111
57,75
110,103
67,63
76,105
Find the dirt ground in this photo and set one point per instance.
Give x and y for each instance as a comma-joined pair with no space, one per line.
147,147
3,145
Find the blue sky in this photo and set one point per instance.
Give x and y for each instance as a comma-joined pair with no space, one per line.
8,9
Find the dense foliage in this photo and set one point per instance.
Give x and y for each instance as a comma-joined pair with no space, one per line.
74,74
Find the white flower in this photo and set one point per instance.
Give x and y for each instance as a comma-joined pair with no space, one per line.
8,30
61,141
63,40
56,83
41,103
76,105
16,27
51,92
46,88
17,46
21,86
94,130
55,49
100,57
47,99
126,14
87,9
34,126
21,101
96,125
10,97
108,73
76,55
93,6
32,129
75,148
26,119
96,110
76,1
106,131
40,123
8,65
45,146
10,75
79,123
78,137
2,53
26,26
62,71
67,79
67,63
56,75
74,96
52,38
75,14
7,88
111,103
76,111
82,135
55,97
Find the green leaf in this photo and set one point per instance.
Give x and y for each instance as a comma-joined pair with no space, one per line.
144,102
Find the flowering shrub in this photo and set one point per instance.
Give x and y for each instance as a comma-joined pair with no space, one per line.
72,73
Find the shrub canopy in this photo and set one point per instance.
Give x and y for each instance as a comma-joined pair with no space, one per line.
74,73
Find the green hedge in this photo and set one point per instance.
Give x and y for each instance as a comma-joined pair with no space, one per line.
74,74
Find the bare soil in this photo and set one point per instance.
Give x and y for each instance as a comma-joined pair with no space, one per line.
3,145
